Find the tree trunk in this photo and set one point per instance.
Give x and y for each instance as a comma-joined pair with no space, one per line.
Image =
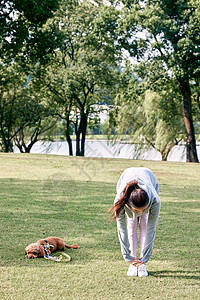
78,151
80,135
67,134
77,132
164,157
7,145
191,151
84,127
28,148
69,141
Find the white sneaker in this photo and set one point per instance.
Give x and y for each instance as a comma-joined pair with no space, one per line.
132,271
142,271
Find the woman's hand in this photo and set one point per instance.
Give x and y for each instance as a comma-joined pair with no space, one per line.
136,262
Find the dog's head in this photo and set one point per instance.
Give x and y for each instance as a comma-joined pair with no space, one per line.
34,250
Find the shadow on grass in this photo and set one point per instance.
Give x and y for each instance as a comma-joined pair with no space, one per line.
176,274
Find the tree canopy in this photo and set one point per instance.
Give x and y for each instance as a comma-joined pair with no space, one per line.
19,24
82,70
71,53
170,35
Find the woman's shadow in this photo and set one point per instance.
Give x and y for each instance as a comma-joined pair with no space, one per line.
177,274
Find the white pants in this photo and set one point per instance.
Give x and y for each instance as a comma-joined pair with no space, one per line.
133,234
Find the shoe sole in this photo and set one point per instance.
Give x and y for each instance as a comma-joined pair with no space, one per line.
132,275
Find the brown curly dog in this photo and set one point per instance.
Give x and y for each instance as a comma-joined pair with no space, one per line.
46,246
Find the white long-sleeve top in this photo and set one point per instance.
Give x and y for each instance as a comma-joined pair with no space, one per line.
147,181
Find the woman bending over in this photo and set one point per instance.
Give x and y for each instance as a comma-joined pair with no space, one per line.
136,204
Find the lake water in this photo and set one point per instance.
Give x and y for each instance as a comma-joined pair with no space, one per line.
104,149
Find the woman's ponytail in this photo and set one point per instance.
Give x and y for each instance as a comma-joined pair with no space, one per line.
119,205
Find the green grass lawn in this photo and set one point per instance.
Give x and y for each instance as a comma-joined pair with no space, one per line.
43,195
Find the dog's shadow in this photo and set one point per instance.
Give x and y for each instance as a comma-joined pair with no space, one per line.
176,274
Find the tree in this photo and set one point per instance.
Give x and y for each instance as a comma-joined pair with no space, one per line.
171,36
24,40
82,71
28,136
19,24
20,108
150,118
164,128
11,85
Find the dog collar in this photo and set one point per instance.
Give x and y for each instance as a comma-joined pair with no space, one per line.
47,247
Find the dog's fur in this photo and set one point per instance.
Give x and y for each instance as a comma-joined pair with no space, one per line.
55,244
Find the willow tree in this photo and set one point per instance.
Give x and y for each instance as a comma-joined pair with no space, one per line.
170,35
151,119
